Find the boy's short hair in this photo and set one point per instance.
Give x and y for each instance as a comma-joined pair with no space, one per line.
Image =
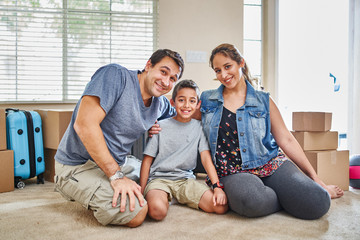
186,83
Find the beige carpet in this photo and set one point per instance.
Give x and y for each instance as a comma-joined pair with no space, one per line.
37,212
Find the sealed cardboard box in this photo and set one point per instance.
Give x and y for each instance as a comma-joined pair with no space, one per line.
6,171
312,141
2,129
311,121
54,123
331,166
49,173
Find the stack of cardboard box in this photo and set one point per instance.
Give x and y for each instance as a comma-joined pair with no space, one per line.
6,158
312,131
54,124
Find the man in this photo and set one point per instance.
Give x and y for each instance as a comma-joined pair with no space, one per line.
116,108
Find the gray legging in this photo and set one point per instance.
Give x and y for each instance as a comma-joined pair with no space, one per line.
287,188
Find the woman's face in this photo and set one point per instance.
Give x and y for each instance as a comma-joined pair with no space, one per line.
227,71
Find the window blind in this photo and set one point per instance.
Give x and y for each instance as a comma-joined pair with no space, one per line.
49,49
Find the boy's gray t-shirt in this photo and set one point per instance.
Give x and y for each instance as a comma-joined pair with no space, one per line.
127,118
176,149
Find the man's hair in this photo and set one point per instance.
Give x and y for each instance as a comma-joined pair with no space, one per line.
159,54
186,83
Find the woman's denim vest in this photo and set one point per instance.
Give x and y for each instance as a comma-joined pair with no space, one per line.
257,145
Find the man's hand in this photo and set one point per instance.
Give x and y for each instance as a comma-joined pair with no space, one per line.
155,129
123,187
219,197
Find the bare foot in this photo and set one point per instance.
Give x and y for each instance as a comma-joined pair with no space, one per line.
334,191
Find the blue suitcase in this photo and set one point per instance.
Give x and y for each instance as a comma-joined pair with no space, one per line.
24,137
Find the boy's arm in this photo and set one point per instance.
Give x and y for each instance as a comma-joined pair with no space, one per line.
209,166
144,171
219,197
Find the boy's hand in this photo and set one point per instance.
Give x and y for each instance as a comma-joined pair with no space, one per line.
155,129
219,197
123,187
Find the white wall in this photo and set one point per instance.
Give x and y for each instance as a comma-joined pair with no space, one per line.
354,78
200,25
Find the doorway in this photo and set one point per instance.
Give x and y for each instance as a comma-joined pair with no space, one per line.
313,60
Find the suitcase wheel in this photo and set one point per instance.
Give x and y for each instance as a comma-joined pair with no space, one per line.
19,184
40,179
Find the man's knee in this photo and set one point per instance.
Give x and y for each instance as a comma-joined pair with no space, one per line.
139,218
121,218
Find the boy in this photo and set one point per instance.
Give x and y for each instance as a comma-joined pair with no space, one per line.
171,155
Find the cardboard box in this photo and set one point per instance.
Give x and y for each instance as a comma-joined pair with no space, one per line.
312,141
2,130
6,171
54,124
49,155
331,166
311,121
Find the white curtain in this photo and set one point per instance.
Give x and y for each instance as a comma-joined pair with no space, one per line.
354,78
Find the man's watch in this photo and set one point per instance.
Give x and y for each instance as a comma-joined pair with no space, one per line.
217,185
118,175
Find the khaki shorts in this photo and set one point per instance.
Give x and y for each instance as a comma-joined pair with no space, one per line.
88,185
185,191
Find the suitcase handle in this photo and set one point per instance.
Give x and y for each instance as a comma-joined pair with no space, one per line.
7,110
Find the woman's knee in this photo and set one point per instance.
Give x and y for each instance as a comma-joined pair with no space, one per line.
312,206
259,204
248,196
299,195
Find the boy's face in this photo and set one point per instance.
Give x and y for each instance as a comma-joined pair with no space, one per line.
161,77
186,103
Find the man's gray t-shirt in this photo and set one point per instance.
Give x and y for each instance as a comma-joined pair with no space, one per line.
176,149
127,118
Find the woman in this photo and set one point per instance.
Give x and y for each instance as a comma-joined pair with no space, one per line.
245,131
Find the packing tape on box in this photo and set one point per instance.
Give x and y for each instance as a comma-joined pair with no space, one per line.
333,157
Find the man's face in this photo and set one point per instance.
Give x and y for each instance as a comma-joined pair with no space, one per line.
161,77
